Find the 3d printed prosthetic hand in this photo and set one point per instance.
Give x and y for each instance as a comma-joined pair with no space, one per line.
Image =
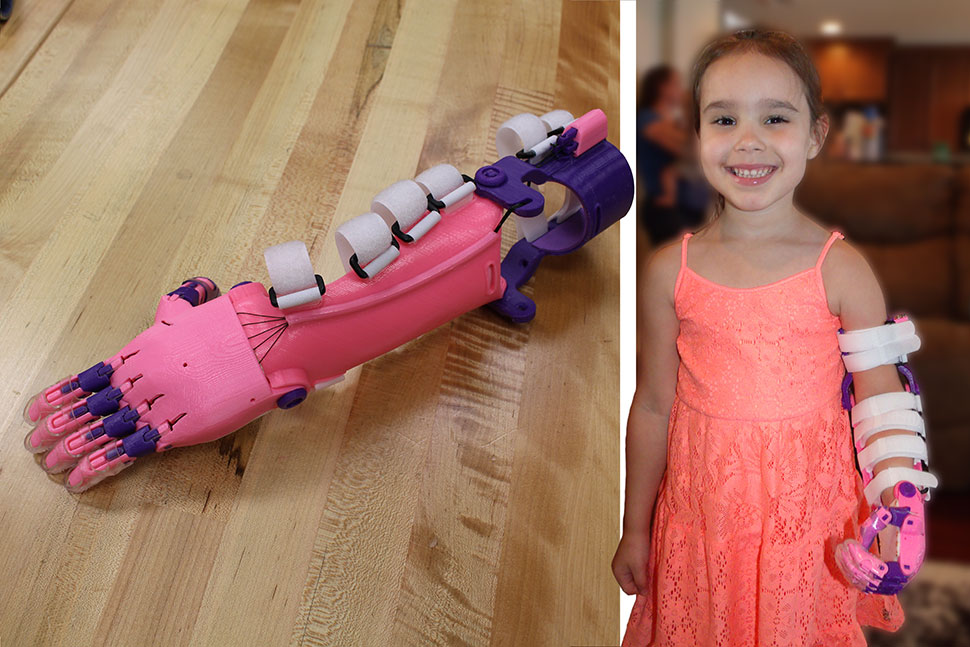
428,251
863,350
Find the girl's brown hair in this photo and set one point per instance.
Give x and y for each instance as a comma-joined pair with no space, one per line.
768,42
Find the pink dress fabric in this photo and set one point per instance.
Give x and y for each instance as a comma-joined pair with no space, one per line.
760,483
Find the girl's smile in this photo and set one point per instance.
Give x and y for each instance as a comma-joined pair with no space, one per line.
751,174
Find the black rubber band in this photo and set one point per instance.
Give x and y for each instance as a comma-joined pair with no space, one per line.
396,230
508,213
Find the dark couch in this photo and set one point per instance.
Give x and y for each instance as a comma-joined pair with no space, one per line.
912,221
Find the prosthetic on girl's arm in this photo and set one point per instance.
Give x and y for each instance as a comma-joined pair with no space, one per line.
889,437
428,251
646,436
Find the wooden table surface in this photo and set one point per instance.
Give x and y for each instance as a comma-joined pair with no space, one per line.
460,490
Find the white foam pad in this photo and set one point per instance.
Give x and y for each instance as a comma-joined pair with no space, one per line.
899,419
890,476
542,149
291,274
440,180
871,347
459,195
369,237
555,119
521,132
424,225
404,202
891,447
884,403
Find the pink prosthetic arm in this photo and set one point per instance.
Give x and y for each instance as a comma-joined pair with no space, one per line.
900,526
428,251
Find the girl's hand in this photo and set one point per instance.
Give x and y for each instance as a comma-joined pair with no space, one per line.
630,562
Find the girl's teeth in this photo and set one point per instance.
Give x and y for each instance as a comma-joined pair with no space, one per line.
756,173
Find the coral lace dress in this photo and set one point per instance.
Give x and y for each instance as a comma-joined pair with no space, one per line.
760,483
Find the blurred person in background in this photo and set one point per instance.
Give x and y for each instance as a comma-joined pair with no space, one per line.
675,199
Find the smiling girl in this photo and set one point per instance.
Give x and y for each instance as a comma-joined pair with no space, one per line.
740,470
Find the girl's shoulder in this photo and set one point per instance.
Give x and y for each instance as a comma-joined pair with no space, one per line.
849,279
659,275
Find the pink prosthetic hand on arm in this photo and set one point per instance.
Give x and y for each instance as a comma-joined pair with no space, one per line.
428,251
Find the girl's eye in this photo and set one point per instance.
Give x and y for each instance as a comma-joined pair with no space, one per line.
774,119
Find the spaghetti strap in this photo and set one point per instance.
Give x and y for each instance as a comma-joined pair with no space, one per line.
683,250
683,264
818,268
825,250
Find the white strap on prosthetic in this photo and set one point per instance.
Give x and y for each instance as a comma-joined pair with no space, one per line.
526,132
897,410
445,183
865,349
892,447
556,119
870,347
406,203
901,419
370,238
520,133
291,274
890,476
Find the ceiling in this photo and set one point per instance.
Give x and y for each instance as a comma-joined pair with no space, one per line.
908,21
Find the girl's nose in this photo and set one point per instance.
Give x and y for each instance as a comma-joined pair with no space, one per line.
748,140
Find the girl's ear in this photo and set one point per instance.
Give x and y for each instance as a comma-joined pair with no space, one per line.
819,131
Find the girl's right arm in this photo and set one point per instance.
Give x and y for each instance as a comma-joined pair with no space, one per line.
646,437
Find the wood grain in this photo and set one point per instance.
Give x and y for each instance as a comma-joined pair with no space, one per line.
460,490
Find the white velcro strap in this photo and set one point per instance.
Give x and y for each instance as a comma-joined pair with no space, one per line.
906,419
853,341
890,447
291,274
404,202
369,237
884,403
871,347
440,180
521,132
890,476
556,118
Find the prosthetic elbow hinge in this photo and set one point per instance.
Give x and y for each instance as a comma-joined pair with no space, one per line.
863,350
428,251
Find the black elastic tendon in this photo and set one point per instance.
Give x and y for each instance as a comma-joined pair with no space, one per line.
396,230
508,212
